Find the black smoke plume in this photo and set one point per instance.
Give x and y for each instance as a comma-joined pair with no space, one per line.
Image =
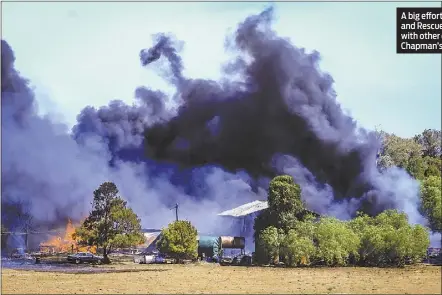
166,46
283,106
216,147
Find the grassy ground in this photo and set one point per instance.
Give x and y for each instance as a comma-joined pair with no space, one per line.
210,278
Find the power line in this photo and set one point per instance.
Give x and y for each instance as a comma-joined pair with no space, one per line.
30,232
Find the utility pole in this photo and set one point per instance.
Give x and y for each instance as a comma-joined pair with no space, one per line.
176,210
26,238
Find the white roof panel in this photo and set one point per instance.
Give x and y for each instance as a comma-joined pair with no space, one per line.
245,209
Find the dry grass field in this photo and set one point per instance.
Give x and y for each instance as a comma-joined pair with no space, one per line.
210,278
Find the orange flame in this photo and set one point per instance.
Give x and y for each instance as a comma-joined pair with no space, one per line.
59,244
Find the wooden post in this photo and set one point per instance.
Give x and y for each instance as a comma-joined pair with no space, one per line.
176,211
26,238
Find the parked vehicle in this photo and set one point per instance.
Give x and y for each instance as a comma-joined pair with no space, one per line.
147,258
433,252
242,260
84,257
226,260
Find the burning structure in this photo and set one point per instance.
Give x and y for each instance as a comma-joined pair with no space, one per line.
65,243
211,144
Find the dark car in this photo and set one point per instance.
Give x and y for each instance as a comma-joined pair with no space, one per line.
84,257
242,260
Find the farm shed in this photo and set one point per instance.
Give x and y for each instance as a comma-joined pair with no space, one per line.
244,217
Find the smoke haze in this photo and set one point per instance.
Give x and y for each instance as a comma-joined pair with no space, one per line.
219,145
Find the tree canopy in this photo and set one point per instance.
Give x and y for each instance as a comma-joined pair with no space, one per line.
179,240
430,140
285,209
421,157
284,199
388,239
110,224
270,241
431,191
385,239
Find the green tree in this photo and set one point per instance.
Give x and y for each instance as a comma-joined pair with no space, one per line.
179,240
416,167
430,140
433,166
420,241
297,249
388,239
307,227
110,224
284,199
431,201
265,219
270,241
285,209
337,242
420,155
399,150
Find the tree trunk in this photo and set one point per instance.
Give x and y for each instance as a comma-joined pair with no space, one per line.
106,259
275,258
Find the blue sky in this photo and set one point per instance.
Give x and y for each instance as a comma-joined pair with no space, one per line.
79,54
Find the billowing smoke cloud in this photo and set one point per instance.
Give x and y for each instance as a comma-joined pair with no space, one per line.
166,46
284,106
52,174
218,149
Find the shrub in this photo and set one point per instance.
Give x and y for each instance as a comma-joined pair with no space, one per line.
179,240
388,239
297,249
270,240
336,242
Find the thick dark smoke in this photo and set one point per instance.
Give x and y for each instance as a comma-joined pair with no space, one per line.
284,106
166,46
215,148
50,175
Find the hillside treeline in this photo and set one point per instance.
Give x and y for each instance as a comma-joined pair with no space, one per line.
286,232
421,157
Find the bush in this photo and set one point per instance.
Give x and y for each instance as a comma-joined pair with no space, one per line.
336,242
179,240
297,249
284,231
388,239
431,190
270,240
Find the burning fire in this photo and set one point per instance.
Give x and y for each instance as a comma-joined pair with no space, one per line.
59,244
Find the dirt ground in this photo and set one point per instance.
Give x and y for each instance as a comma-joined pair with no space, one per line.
211,279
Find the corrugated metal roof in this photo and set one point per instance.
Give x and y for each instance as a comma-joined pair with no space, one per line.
245,209
250,208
